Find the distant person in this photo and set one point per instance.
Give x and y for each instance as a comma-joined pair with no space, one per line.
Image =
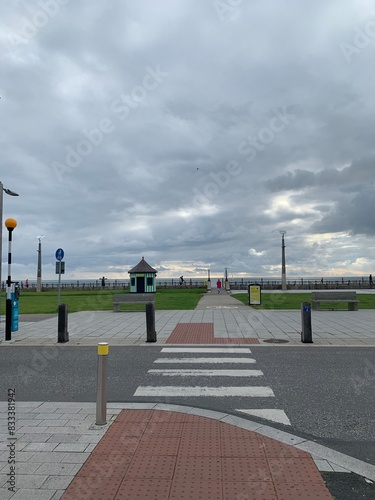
27,283
103,282
218,286
181,280
370,280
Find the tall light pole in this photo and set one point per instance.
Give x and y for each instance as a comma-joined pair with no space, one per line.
283,271
39,272
11,193
10,224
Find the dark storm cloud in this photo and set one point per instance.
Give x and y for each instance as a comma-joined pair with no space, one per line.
359,173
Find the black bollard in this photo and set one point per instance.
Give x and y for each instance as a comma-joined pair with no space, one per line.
150,322
306,333
62,328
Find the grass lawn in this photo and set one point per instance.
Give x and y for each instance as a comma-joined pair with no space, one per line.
101,300
293,301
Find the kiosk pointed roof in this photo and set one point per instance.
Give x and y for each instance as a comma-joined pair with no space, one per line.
143,267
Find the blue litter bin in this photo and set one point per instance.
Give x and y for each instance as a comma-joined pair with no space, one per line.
15,294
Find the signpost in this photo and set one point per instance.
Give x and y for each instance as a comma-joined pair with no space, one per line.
60,269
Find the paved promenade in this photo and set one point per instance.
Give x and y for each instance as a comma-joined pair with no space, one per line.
230,319
150,451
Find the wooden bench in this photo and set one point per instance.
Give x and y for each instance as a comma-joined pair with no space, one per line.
131,298
350,297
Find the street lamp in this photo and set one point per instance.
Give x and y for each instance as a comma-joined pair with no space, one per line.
39,273
283,272
10,224
10,193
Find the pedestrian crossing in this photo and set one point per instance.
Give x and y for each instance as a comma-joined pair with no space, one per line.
212,382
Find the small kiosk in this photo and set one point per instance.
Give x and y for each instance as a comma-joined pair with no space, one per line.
142,278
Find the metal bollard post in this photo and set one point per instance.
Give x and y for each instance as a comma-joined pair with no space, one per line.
150,322
101,386
306,333
62,323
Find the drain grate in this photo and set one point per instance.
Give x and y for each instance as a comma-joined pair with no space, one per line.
276,341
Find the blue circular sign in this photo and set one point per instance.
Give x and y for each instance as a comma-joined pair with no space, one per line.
59,254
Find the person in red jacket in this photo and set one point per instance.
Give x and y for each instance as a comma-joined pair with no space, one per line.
218,285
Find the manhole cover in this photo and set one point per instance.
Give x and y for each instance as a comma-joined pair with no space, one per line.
276,341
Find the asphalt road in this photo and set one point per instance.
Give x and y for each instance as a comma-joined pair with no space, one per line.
328,393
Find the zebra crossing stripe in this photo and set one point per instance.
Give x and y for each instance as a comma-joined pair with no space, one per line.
175,391
226,350
204,360
207,373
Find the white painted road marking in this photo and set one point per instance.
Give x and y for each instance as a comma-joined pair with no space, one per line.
207,373
172,391
228,350
204,360
278,416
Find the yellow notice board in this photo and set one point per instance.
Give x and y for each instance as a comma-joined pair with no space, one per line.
254,295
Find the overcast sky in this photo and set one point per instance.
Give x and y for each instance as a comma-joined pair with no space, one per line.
189,132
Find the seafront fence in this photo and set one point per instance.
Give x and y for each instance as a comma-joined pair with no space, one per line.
235,284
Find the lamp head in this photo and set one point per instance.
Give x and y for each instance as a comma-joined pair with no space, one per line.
11,193
10,224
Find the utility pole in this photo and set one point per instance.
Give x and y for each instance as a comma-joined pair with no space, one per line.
283,270
39,272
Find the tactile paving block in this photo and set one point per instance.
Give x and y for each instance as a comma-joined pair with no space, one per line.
228,431
91,488
251,490
197,469
134,461
192,419
310,491
158,446
169,416
200,431
120,447
151,467
200,447
275,449
245,469
192,333
164,429
251,448
240,340
294,470
144,489
197,490
130,429
134,416
105,466
202,333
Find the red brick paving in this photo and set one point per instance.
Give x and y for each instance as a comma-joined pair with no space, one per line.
198,459
202,333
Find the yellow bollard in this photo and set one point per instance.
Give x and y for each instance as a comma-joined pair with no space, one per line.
101,387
